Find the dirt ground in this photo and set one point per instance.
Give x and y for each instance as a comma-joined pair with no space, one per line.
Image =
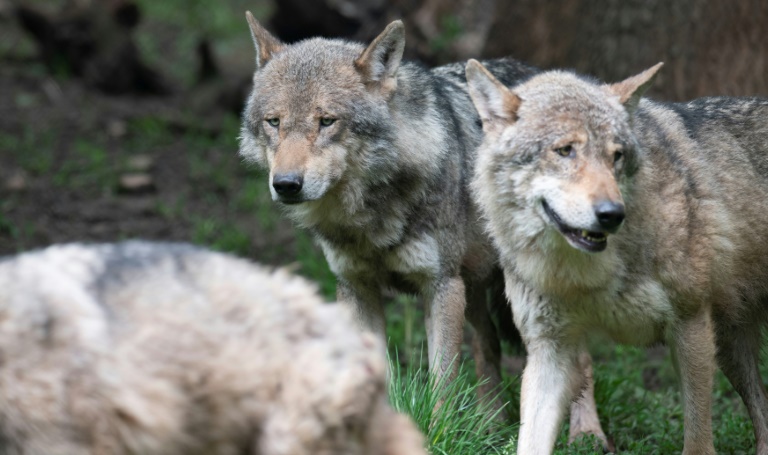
80,165
53,191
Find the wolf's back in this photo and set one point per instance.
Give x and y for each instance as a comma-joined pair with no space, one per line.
714,136
742,122
453,80
166,348
460,117
117,281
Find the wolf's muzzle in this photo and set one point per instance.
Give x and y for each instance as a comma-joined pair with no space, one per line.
287,184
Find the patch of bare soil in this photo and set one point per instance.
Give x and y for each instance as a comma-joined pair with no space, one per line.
78,165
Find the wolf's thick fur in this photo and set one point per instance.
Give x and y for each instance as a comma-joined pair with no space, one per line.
563,162
141,348
374,157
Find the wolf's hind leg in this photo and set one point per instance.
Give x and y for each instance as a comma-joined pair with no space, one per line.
486,348
738,354
584,418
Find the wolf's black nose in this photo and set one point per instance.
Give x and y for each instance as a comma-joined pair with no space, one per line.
287,184
609,215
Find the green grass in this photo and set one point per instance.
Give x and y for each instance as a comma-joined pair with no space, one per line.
8,227
87,166
221,236
639,420
32,150
643,421
460,425
405,328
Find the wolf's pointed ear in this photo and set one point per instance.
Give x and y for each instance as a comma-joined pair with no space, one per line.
496,104
380,60
632,89
266,44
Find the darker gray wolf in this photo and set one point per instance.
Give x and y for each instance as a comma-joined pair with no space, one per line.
640,219
146,348
374,156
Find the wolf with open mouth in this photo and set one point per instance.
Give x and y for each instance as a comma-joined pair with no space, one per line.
642,220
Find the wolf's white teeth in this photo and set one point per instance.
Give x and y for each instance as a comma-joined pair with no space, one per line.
597,239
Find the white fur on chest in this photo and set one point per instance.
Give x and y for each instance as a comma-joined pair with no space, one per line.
417,259
638,316
569,296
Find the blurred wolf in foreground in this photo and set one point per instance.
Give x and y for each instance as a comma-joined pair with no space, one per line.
141,348
564,162
374,157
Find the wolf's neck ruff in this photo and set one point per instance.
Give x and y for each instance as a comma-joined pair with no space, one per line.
344,217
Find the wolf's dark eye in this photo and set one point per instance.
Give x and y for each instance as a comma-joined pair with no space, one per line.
617,156
565,151
273,121
327,121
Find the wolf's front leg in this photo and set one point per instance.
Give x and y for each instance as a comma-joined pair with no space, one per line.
584,418
366,305
693,348
550,379
445,326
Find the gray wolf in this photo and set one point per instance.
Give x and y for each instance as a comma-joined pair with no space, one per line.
147,348
631,217
374,156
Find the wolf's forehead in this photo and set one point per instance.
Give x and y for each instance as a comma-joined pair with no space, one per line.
316,60
558,90
310,74
571,104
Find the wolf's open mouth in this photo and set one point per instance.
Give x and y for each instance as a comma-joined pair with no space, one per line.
589,241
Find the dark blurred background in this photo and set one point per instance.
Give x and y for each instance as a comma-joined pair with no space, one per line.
119,118
711,47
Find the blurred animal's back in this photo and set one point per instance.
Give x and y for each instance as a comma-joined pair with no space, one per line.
167,348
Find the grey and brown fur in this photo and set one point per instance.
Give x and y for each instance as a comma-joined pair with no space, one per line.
142,348
639,219
374,157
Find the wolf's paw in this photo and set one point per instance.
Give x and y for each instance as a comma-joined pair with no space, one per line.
592,439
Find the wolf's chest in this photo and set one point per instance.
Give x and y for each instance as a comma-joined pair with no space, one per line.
638,315
588,293
408,266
